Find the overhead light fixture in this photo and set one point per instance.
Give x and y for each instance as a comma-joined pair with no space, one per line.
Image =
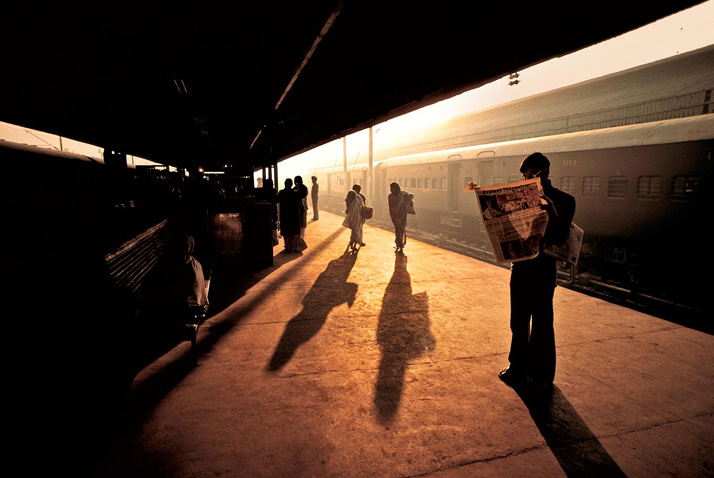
180,86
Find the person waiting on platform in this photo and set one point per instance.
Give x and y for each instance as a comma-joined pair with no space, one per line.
401,203
354,219
315,195
301,191
290,218
532,354
358,190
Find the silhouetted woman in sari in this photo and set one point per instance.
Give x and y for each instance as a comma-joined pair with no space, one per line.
354,219
399,202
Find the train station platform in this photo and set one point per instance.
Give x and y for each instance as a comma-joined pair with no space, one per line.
373,364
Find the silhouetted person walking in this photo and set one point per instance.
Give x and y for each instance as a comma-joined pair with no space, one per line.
358,190
353,218
400,202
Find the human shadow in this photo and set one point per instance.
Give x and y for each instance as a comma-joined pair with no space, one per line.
577,449
230,283
330,290
402,334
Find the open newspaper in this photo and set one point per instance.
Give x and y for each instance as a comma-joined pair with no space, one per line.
515,222
513,219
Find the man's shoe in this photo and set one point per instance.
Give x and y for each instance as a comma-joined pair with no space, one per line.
511,375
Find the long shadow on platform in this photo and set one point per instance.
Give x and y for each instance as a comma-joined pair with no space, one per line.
574,445
228,286
330,290
402,334
230,282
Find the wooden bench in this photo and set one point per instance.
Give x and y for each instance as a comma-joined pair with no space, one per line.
130,267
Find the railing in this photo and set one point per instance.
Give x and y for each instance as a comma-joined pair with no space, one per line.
681,106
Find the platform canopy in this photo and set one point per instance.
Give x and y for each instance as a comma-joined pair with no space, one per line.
204,83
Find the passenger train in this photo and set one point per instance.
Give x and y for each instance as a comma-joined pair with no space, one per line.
641,192
634,148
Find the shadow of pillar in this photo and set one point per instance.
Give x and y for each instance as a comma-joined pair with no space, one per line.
577,449
402,334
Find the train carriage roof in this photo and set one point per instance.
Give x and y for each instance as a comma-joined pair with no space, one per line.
696,128
206,83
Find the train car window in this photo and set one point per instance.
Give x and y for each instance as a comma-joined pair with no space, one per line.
414,183
685,188
649,187
435,183
617,186
567,184
444,183
426,183
498,180
419,184
591,185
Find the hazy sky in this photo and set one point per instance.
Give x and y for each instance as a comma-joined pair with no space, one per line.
678,33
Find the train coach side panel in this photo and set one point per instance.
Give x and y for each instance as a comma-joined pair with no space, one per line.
640,193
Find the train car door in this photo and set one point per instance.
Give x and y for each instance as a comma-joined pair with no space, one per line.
485,173
454,186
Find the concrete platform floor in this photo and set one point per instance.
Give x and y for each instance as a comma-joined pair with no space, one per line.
378,365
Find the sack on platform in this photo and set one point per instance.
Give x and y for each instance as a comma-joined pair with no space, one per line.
367,212
409,197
